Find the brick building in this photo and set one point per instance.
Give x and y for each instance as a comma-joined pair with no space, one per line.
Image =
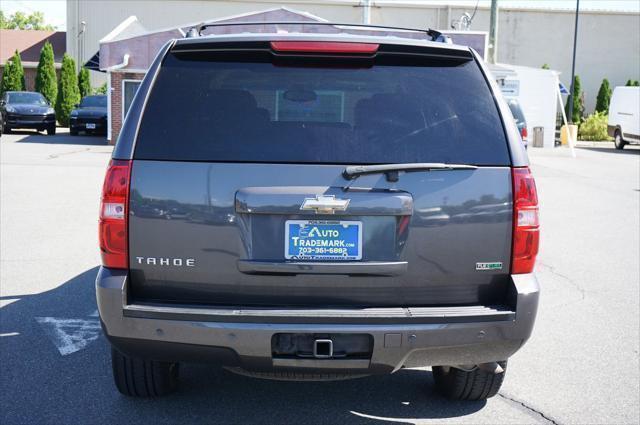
29,43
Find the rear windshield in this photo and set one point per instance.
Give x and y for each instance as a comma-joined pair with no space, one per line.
211,110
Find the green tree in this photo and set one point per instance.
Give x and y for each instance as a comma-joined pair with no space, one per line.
546,66
578,104
68,92
3,20
604,97
11,76
84,83
46,79
17,65
22,21
7,74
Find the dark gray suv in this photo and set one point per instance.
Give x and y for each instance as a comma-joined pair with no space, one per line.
318,206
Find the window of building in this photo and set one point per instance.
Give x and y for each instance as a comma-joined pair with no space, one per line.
129,89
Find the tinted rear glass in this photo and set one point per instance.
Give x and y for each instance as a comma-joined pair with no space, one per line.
212,110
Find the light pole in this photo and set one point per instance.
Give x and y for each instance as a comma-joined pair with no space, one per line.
573,64
493,32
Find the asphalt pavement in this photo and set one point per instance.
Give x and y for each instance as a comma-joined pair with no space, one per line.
580,366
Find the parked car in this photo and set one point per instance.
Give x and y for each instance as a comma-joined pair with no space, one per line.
23,109
89,116
624,116
310,161
520,120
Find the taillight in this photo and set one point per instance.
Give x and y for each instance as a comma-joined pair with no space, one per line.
114,208
324,47
526,226
524,134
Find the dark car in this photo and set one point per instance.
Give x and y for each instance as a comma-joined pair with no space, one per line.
312,181
23,109
520,120
89,116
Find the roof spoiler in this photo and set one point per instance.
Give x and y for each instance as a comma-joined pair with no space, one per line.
432,35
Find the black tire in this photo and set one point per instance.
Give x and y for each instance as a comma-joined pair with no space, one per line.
457,384
618,140
143,378
73,131
51,131
6,130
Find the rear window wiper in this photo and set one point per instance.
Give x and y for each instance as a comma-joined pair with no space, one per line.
391,170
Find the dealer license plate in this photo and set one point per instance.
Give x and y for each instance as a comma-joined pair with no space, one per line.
323,240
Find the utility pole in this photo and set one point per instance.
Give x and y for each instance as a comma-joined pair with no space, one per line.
573,64
493,32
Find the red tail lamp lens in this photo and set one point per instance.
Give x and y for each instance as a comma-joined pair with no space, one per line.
526,224
113,215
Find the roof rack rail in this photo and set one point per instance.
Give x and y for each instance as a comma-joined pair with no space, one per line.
434,35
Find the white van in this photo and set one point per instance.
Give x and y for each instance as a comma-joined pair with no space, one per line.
624,116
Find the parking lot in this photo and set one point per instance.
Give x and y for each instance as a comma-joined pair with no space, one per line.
580,366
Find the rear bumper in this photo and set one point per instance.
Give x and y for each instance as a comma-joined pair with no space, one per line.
235,337
81,124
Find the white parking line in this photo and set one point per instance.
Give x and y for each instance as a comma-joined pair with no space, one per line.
70,335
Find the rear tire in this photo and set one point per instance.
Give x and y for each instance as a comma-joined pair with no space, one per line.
618,140
136,377
457,384
73,131
6,130
51,131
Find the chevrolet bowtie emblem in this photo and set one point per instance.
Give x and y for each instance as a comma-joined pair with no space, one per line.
325,204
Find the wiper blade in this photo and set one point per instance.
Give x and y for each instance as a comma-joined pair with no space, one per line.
391,170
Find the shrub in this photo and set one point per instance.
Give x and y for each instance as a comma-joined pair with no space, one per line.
594,127
17,67
578,103
84,83
46,78
632,83
68,92
12,75
7,72
604,97
101,89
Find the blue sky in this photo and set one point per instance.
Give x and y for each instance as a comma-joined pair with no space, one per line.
55,11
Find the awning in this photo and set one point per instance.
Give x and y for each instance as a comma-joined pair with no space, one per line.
563,89
94,63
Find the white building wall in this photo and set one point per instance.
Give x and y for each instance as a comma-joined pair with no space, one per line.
608,44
